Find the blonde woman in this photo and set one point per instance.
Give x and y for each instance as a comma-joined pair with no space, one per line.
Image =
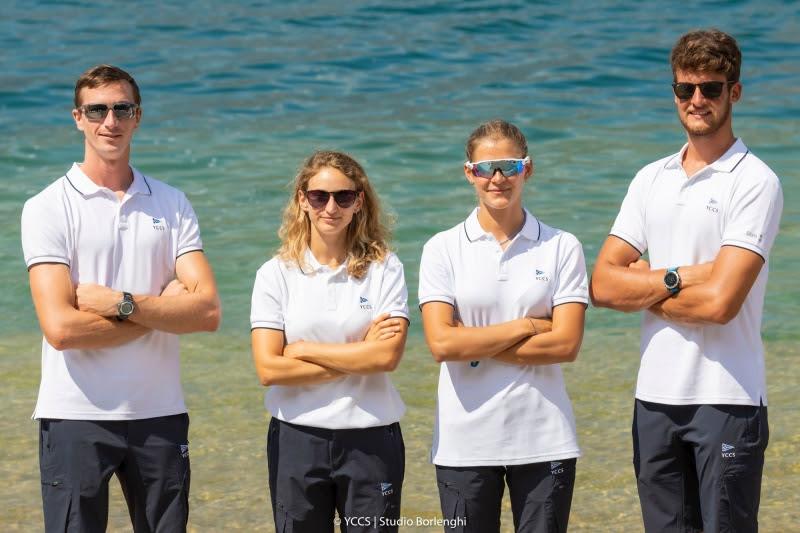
329,321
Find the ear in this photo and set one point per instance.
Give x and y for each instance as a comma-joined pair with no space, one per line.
76,116
138,117
468,175
529,171
302,201
736,92
359,202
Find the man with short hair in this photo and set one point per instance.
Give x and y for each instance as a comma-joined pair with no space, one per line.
708,217
117,271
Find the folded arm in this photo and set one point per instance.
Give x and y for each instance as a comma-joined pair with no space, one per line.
380,351
64,326
559,345
618,282
450,341
720,297
275,369
196,309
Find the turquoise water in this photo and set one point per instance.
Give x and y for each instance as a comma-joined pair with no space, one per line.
235,96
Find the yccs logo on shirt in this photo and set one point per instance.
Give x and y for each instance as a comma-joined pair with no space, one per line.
158,224
364,304
757,236
712,206
728,451
184,449
386,489
541,275
474,364
556,468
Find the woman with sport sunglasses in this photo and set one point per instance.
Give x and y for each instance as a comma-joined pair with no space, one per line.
329,322
503,298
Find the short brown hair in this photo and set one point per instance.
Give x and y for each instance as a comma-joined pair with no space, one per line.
707,51
496,129
103,75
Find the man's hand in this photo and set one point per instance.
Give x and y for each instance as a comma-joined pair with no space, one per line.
383,327
174,288
97,299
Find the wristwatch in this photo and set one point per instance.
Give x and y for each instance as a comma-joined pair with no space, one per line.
126,307
672,280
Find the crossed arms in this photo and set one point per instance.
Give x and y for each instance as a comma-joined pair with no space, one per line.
523,341
85,317
711,293
306,363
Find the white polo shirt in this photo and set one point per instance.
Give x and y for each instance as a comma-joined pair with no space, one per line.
128,245
735,201
328,305
491,413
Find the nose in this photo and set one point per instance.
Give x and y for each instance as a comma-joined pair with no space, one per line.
496,172
331,206
697,96
110,118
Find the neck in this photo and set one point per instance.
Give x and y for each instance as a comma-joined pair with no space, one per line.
504,224
705,149
113,174
328,250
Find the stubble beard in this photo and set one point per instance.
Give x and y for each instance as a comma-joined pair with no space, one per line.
708,129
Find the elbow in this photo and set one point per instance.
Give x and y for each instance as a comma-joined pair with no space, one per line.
59,338
213,318
440,351
722,313
599,296
266,378
569,352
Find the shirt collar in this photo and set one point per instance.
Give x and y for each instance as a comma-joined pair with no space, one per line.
84,185
726,163
311,266
531,229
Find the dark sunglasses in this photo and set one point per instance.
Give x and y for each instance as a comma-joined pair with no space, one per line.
319,199
508,167
122,111
709,89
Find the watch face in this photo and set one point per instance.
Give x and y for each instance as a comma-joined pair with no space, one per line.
671,280
125,308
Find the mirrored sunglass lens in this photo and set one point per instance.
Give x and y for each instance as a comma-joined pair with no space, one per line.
96,111
508,167
124,110
345,198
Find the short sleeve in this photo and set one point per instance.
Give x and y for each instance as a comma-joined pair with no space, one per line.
44,233
630,223
188,230
436,282
754,215
393,297
571,282
269,298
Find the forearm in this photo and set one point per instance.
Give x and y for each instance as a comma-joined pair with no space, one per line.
697,305
459,343
627,289
185,313
364,357
545,349
279,370
79,330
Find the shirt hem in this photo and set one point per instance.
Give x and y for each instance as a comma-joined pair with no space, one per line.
104,415
556,456
713,400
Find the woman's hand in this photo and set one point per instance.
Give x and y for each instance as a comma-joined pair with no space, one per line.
383,327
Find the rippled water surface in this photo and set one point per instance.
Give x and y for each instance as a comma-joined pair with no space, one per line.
236,94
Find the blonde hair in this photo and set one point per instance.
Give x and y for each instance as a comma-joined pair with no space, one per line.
367,233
